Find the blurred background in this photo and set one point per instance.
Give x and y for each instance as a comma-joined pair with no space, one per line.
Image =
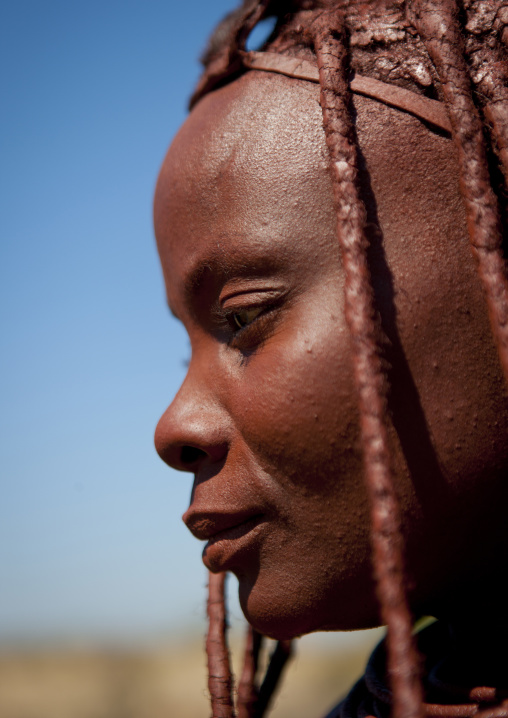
101,585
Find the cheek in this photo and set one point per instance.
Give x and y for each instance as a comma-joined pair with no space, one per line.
295,407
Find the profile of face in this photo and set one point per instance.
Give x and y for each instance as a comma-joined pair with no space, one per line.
267,417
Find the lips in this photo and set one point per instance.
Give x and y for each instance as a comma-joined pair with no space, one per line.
228,534
210,524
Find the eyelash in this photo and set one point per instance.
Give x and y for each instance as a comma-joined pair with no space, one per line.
236,323
263,304
251,334
252,330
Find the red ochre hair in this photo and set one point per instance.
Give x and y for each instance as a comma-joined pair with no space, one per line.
444,50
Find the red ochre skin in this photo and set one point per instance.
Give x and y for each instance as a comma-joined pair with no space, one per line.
267,418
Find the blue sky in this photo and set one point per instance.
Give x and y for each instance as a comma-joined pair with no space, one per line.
91,542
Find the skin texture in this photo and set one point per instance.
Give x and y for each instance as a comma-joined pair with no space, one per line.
266,418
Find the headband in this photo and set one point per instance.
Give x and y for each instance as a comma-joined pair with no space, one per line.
432,111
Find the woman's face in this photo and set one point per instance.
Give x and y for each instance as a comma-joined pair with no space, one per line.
266,418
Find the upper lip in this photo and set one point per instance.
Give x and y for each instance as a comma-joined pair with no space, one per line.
205,525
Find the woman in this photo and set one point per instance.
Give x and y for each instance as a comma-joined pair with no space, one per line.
345,412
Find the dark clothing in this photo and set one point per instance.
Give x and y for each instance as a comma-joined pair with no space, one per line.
459,678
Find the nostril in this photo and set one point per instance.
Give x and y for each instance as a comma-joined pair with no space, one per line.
189,455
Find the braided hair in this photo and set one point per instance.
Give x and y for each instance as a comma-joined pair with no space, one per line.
446,51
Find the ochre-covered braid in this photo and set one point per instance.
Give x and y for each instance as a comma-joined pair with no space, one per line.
220,680
369,375
438,26
486,26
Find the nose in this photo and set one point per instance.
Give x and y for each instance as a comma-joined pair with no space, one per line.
193,430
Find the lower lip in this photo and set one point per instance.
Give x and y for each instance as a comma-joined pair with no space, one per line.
227,548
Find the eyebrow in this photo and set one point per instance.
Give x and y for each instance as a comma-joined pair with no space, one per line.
217,265
194,278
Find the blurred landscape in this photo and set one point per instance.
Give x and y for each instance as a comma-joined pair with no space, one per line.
166,680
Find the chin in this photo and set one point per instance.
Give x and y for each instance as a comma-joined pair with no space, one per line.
276,619
283,612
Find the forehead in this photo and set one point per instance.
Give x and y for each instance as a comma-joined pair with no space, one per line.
247,171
